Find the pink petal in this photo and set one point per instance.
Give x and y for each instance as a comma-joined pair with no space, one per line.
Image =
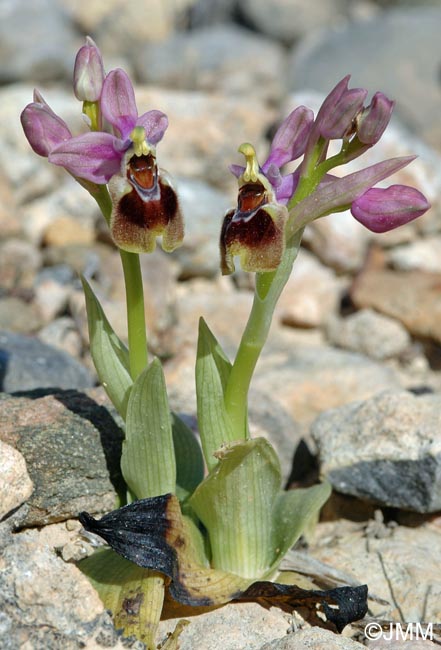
118,103
155,124
237,170
43,128
291,137
91,156
287,187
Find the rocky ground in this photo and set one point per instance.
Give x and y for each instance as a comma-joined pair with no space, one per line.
349,383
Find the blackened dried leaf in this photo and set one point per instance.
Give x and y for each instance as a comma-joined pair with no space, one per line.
152,534
341,606
138,532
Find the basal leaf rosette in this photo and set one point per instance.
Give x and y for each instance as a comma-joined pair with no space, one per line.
251,521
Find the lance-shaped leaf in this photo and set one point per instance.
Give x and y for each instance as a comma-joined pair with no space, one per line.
339,193
189,459
110,355
235,503
153,534
293,511
212,372
148,457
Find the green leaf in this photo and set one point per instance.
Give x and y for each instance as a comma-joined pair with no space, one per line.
212,372
134,595
110,355
251,521
189,459
148,457
235,503
293,512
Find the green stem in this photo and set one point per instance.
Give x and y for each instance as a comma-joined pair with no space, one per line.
137,336
269,286
138,354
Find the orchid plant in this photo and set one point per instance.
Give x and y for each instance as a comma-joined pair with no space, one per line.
202,523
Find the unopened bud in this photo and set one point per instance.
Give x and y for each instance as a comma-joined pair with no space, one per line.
381,210
88,73
373,121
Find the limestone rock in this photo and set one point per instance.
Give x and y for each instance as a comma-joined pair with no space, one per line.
15,484
46,603
72,448
233,627
385,449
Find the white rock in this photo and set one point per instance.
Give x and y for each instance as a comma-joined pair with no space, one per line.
15,483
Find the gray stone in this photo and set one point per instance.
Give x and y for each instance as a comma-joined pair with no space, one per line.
27,363
122,29
289,21
18,315
51,291
385,449
397,51
51,298
47,603
78,258
209,12
203,208
72,448
60,273
62,333
224,58
370,333
19,263
49,39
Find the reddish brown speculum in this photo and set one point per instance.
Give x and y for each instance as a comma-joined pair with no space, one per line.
142,170
251,197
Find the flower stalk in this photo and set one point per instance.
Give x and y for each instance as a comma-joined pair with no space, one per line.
136,324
